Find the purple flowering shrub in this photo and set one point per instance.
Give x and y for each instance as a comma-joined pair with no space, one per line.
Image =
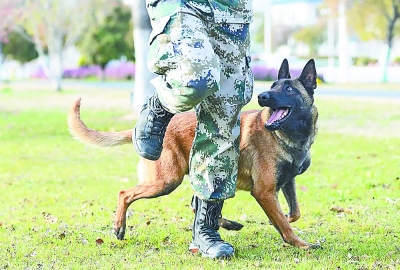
120,71
82,72
115,70
38,73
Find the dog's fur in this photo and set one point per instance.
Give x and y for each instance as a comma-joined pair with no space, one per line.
274,148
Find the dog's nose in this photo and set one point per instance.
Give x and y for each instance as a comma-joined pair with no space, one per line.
266,99
264,96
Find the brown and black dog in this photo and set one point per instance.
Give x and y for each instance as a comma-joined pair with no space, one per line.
274,148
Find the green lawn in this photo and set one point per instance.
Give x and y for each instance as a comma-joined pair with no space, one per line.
58,197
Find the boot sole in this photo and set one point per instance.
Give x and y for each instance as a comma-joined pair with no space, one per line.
194,249
142,153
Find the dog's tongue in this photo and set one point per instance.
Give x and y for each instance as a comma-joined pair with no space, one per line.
276,115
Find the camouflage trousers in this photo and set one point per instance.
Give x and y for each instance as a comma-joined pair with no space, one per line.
205,66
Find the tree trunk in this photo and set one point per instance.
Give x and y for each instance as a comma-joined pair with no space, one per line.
102,75
389,37
389,42
141,34
386,63
52,62
56,67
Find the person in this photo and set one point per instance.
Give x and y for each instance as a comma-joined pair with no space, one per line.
200,50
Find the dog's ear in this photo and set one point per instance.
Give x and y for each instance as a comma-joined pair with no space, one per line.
308,76
283,72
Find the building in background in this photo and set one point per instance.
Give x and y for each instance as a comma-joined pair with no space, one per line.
277,21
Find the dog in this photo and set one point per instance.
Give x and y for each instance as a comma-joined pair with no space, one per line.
275,147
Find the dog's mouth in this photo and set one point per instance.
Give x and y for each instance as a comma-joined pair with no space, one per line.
278,116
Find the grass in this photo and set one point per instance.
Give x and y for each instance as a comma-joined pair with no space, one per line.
58,197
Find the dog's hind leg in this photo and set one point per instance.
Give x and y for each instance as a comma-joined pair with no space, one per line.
289,191
128,196
155,179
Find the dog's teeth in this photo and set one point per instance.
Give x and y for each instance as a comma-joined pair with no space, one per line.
284,114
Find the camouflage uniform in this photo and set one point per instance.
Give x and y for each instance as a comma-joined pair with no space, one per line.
201,51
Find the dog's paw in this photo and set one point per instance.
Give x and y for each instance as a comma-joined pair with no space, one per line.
311,246
292,217
229,225
315,246
119,233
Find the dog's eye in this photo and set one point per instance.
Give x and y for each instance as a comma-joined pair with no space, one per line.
289,88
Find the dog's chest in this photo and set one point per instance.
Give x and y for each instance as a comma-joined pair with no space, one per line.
291,166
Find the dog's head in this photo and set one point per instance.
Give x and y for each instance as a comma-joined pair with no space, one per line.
290,100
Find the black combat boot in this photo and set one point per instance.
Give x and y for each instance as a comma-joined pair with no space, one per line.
150,128
206,237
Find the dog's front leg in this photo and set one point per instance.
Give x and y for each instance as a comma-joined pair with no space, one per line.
289,191
268,200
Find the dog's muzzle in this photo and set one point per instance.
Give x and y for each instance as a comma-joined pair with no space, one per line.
279,114
265,99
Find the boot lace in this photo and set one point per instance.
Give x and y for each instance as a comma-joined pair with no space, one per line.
157,108
158,119
209,229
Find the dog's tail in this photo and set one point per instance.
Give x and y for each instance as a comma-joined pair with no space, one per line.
89,136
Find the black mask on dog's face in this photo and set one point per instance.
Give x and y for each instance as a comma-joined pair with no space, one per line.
287,96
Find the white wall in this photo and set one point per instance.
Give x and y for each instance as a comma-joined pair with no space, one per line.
361,74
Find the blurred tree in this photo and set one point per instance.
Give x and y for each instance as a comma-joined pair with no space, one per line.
19,48
55,25
312,35
9,12
332,6
109,40
373,19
